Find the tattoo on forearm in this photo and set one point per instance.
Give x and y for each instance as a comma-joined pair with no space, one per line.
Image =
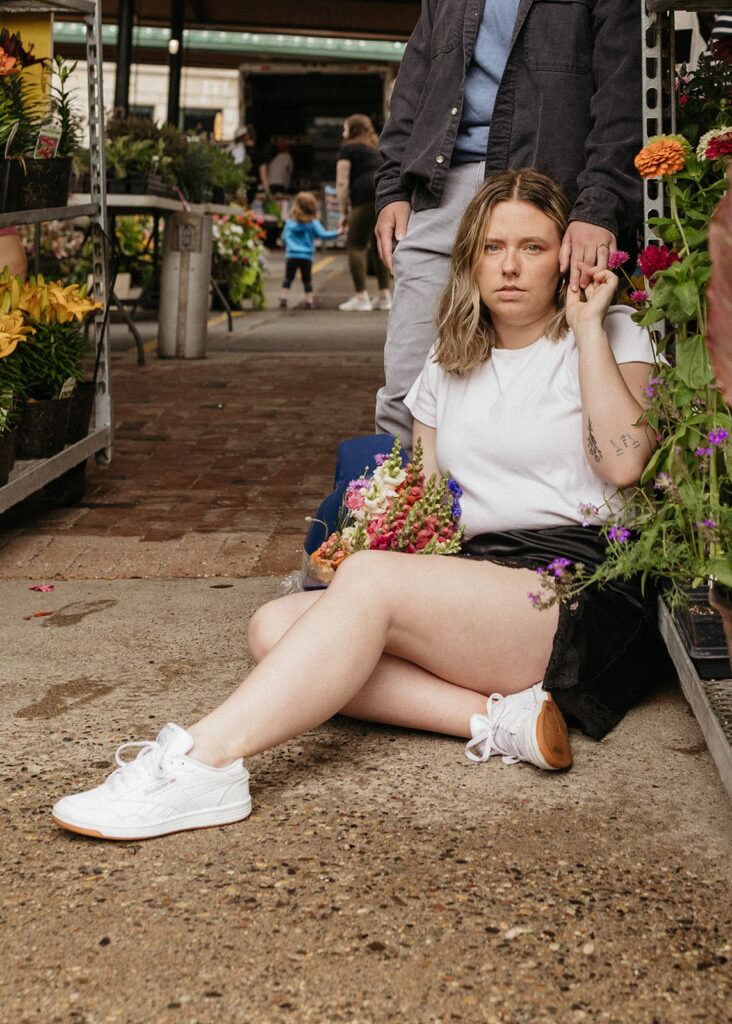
592,445
624,442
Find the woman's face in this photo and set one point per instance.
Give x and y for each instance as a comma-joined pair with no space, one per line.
518,273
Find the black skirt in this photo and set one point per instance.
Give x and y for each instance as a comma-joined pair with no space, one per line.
607,650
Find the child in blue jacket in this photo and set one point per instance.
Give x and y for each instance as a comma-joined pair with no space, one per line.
301,229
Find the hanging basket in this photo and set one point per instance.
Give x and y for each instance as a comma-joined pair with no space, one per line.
7,454
30,183
43,428
82,402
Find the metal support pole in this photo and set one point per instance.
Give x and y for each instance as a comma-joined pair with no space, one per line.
175,59
125,21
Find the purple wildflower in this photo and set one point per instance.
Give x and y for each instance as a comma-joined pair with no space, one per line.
358,485
455,509
381,459
639,295
701,452
558,566
618,533
534,598
650,391
706,522
663,480
617,259
717,436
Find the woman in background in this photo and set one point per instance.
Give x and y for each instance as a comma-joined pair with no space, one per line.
358,160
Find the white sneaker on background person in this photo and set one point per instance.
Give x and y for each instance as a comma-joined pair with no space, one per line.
356,305
162,790
381,301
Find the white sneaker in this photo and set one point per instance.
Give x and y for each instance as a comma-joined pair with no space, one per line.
356,305
161,791
526,726
381,302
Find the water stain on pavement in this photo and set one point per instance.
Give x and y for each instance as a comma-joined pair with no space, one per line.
73,613
63,697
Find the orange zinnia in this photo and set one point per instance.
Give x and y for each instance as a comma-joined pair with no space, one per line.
666,156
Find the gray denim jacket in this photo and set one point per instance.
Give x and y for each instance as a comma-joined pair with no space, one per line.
569,104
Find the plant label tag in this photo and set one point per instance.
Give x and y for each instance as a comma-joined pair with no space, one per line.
47,143
67,387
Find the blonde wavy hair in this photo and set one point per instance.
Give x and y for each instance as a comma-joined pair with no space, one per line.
304,207
465,331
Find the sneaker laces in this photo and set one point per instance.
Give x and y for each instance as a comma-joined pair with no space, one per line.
496,731
129,772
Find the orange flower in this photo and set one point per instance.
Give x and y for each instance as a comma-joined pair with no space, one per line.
665,156
8,64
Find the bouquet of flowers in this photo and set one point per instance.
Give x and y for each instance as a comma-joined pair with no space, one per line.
393,509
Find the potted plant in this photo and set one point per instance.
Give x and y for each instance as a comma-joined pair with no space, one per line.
239,260
47,361
675,528
38,135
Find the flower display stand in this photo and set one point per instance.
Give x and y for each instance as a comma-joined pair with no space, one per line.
709,699
63,473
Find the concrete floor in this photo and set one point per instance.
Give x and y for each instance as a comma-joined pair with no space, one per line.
381,876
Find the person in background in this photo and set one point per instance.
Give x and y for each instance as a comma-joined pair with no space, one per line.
301,229
12,253
238,146
279,170
488,84
358,160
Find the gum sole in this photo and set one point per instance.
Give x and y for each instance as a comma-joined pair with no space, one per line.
95,834
552,737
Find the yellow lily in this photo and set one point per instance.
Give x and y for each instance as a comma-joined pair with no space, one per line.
12,330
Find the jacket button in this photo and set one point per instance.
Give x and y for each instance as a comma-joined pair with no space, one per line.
440,159
454,111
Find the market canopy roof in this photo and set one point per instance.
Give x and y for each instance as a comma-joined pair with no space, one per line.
382,19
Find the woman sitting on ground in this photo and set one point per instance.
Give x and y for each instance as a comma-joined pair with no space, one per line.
533,401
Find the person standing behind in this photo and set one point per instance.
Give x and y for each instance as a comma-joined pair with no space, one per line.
279,170
358,161
299,233
486,85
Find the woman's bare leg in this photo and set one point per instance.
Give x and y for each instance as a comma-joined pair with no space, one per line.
465,629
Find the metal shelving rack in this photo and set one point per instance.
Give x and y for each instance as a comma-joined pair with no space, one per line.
28,476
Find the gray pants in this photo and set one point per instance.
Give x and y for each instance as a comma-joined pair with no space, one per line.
421,266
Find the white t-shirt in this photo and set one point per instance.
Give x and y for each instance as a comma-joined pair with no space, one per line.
510,430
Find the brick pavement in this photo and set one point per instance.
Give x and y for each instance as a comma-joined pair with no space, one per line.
216,461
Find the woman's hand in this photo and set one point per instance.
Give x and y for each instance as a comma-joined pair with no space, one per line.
599,294
343,223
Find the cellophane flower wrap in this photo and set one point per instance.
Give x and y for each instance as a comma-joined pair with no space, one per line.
676,526
393,509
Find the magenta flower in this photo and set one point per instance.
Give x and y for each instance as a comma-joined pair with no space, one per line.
655,258
717,436
701,452
639,295
617,259
618,533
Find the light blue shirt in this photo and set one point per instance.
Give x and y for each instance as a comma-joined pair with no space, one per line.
482,79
